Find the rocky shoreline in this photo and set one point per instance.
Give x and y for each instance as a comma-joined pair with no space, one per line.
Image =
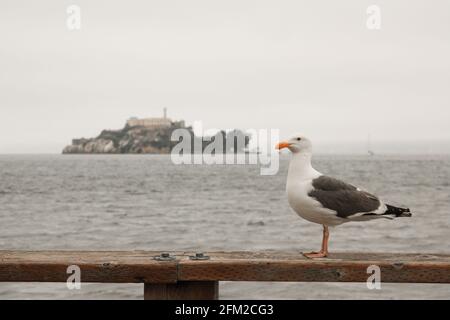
137,139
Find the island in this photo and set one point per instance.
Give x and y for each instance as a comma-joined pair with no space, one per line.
146,136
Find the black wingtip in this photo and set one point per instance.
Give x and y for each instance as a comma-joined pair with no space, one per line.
405,214
398,212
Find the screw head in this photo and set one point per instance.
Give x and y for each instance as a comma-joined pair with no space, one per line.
199,256
164,256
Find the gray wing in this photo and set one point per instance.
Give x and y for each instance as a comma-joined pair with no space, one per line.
342,197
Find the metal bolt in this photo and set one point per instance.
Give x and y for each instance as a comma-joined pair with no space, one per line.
164,256
199,256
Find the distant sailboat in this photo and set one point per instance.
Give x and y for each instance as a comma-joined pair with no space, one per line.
369,146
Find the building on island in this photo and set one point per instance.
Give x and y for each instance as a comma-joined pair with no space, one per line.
163,122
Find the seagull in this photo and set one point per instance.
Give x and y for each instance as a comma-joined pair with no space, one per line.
325,200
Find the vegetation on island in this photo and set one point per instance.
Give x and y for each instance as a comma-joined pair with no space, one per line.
151,140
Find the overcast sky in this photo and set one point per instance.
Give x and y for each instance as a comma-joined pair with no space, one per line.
300,66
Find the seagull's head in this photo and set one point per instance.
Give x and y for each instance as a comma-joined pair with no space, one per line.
296,144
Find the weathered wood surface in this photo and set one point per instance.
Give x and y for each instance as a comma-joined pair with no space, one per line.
140,267
183,290
96,266
338,267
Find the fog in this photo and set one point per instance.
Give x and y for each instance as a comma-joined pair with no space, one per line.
298,66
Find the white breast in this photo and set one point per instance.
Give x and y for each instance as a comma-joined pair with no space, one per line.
299,184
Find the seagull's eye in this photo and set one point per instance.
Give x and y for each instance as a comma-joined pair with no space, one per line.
298,139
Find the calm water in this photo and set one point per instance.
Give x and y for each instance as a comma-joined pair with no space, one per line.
146,202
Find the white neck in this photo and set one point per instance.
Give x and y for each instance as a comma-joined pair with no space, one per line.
300,168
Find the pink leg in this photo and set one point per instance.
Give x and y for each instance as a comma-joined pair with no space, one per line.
324,250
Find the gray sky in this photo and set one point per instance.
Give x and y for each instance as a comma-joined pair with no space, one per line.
300,66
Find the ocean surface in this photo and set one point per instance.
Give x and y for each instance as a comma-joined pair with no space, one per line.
119,202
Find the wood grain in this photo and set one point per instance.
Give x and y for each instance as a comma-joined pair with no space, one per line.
140,267
95,266
339,267
190,290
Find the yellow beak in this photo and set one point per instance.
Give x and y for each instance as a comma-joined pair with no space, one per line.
282,145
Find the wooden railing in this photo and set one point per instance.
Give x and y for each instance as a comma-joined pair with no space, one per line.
183,275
